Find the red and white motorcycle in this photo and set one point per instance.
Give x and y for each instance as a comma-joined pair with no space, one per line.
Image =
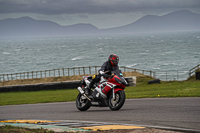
113,87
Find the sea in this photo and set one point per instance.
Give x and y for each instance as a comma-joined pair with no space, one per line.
148,51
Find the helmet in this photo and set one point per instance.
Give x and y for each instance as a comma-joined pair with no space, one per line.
113,59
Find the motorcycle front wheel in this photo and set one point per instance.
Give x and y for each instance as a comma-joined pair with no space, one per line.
117,102
82,103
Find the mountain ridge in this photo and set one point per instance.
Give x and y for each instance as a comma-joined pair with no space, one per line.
176,21
182,20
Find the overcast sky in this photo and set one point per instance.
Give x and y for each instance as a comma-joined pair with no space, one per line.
100,13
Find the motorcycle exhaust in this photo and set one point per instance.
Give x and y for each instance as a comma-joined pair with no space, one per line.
80,90
82,93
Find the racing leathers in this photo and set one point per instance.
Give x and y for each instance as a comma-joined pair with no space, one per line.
106,67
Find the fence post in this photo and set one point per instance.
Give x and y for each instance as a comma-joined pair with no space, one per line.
90,70
63,71
150,74
83,70
58,72
95,69
41,73
177,75
8,77
54,72
189,73
11,77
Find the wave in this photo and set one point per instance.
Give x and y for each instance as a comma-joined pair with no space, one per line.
156,68
77,58
17,49
170,52
6,53
132,65
143,53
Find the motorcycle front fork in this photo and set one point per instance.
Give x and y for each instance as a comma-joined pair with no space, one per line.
113,91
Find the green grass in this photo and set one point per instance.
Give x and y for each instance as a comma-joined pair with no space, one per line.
189,88
28,97
165,89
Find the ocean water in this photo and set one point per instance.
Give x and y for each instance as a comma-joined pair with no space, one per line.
152,51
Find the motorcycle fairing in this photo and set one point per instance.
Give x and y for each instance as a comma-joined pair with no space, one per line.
117,79
117,89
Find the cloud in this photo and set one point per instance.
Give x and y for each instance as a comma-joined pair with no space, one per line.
52,7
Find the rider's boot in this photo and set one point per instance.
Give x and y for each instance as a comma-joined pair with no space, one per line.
87,90
91,85
100,91
88,87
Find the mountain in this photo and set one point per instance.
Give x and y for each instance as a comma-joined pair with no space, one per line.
176,21
183,20
28,27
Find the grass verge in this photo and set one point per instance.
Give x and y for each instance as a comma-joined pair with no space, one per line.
190,88
164,89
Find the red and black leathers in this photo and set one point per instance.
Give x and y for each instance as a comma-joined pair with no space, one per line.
105,67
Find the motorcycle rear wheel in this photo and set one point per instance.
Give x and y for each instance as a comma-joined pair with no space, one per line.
82,103
118,102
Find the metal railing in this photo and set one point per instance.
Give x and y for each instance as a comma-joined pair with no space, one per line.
162,75
64,72
192,71
50,73
172,75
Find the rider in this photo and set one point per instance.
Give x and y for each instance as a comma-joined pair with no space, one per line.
110,65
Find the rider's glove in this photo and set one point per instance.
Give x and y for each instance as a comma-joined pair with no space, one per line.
101,72
106,76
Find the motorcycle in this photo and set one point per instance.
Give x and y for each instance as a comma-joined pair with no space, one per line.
113,87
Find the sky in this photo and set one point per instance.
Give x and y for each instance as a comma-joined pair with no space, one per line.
100,13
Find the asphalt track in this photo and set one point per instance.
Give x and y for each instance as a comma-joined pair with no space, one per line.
177,113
